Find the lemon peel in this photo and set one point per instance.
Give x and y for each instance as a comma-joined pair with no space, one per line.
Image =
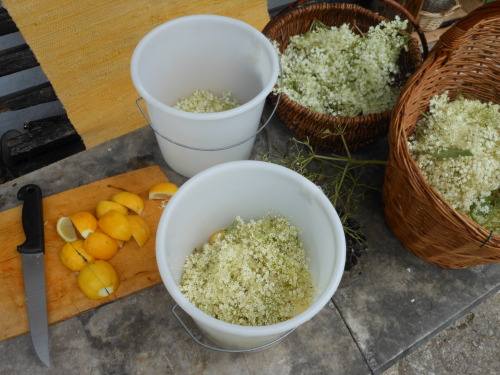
163,190
213,237
116,225
74,256
98,279
140,229
101,246
84,222
130,200
104,206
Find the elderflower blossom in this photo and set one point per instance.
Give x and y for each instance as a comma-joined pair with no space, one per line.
334,71
202,101
457,147
252,273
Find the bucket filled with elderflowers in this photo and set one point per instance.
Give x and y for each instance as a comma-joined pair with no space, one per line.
342,68
250,250
204,79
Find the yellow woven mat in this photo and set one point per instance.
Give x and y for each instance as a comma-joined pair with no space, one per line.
84,47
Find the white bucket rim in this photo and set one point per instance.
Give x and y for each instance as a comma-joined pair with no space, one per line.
254,331
134,68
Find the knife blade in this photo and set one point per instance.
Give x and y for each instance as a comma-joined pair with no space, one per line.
32,254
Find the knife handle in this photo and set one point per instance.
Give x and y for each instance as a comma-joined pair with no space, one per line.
32,218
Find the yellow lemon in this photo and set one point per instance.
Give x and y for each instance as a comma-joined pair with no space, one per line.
140,229
104,206
214,237
100,246
119,242
98,279
130,200
163,190
74,256
65,229
116,225
84,222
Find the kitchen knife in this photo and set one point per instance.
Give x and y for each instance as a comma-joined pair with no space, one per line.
32,253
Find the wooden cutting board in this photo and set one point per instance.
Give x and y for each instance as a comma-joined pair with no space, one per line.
136,266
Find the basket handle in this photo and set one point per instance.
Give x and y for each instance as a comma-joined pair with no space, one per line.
453,36
392,3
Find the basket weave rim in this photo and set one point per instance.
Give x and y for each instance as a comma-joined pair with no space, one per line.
309,8
330,118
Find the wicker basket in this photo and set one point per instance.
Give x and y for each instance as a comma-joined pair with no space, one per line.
434,12
466,58
296,19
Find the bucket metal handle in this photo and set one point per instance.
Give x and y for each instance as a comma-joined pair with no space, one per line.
207,149
206,346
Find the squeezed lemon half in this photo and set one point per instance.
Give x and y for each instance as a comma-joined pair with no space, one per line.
65,229
163,190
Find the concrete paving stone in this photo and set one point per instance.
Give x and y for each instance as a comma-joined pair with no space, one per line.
139,335
471,346
398,301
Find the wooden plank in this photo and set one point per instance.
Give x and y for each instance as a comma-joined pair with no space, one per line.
7,26
15,59
29,97
136,266
47,141
44,136
35,162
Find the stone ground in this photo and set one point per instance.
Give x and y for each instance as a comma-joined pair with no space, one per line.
471,346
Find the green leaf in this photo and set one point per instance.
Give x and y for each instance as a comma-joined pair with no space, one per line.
451,153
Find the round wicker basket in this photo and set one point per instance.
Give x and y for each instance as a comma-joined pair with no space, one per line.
466,58
319,128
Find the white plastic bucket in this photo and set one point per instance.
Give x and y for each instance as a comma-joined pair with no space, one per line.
204,52
211,200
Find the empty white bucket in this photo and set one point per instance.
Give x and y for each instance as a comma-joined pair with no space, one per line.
204,52
211,200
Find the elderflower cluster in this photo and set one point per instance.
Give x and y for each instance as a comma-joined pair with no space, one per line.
202,101
252,274
457,147
334,71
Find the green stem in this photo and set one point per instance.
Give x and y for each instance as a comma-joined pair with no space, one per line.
349,160
340,183
346,148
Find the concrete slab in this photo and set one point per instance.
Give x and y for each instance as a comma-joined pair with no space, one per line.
469,346
139,335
